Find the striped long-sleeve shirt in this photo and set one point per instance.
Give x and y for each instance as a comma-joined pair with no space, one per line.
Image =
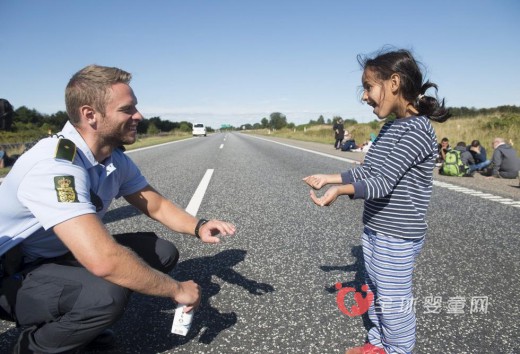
396,178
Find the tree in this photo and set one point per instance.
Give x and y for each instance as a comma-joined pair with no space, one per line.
26,115
321,120
277,120
264,122
185,126
57,120
152,129
142,127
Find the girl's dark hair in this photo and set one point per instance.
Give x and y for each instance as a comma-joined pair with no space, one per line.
385,63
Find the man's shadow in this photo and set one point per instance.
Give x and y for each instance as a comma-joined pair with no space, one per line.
207,319
146,315
359,278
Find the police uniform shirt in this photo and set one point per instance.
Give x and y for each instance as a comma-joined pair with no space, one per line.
45,188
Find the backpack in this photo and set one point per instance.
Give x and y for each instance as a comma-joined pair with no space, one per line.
453,165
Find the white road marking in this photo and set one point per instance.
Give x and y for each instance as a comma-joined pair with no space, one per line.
154,146
194,204
501,200
311,151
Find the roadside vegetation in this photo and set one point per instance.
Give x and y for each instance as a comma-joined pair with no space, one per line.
483,127
467,124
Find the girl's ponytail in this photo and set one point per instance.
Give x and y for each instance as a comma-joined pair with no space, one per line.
430,106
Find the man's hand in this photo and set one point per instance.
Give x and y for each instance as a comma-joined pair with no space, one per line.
212,228
188,294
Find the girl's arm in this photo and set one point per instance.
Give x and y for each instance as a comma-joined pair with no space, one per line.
320,180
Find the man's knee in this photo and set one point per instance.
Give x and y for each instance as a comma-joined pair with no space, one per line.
168,254
158,253
107,301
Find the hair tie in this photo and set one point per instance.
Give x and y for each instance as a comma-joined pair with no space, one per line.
420,96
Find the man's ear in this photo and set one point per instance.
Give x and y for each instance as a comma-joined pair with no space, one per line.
89,114
395,81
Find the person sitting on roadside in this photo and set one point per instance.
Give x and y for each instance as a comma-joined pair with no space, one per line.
479,155
443,147
349,143
505,162
457,162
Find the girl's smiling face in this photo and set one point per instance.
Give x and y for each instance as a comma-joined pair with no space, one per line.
378,94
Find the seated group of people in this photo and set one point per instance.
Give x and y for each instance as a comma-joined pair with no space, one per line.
349,144
464,160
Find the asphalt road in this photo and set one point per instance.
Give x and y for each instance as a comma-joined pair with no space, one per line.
271,287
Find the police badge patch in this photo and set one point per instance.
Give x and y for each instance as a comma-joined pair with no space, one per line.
65,189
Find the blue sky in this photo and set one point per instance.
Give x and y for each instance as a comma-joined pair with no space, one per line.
237,61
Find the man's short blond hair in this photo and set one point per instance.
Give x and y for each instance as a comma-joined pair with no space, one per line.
91,86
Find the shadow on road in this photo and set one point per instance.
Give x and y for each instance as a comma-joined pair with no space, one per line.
208,321
145,327
359,278
120,213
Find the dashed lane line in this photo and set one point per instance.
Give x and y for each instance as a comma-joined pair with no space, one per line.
487,196
196,200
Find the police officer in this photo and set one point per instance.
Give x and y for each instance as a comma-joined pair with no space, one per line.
64,277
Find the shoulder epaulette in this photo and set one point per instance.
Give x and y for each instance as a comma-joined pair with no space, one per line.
65,150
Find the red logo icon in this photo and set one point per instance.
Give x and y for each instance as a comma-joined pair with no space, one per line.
363,302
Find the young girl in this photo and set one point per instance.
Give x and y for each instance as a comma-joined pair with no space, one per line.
395,181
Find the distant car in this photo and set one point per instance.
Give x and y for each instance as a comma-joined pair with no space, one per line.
199,129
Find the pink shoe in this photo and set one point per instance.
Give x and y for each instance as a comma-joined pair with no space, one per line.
366,349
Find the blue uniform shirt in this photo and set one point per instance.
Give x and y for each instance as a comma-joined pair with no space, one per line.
42,191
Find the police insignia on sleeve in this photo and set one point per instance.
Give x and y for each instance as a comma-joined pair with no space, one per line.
65,189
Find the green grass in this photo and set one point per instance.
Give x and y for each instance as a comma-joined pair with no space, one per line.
156,140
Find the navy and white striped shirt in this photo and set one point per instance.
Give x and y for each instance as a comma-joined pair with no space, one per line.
396,178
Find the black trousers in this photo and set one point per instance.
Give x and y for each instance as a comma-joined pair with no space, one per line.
67,306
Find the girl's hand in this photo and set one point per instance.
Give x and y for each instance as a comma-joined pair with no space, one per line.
316,181
327,199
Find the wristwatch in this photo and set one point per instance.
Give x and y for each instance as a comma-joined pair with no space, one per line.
199,225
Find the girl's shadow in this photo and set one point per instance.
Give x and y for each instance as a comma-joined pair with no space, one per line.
359,278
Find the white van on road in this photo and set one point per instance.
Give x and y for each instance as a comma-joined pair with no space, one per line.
199,129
